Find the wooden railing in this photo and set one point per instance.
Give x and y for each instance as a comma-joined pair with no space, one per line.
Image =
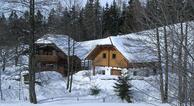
47,58
48,69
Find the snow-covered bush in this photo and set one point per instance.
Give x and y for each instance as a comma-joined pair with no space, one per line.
95,90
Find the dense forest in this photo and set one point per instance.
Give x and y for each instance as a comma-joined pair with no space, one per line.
93,21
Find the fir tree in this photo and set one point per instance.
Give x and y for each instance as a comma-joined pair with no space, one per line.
13,16
3,30
123,89
106,24
98,19
40,24
89,20
26,16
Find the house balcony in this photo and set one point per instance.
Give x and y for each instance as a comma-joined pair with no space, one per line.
47,68
46,58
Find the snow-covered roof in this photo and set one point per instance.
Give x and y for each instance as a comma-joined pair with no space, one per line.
132,48
61,41
86,47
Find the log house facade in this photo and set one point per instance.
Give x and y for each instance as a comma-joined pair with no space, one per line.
110,56
50,58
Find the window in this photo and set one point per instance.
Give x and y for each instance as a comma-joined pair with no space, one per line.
47,52
113,56
104,55
103,72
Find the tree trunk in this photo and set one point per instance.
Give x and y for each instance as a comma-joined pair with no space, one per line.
166,66
72,67
32,93
160,66
180,68
68,62
16,56
185,60
1,92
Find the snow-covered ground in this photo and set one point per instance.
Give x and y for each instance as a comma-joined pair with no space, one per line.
86,104
52,90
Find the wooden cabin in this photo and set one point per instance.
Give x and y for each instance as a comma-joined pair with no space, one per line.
50,58
110,56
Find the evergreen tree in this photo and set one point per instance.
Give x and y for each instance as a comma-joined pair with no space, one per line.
53,21
123,89
26,16
39,17
111,20
114,17
65,22
2,18
89,20
14,28
136,18
3,30
126,20
106,24
13,16
98,19
81,29
39,24
95,90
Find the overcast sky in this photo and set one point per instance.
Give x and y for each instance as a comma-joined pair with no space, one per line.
103,2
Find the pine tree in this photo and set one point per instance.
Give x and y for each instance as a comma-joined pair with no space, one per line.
106,24
126,20
14,26
53,21
134,16
3,30
114,17
89,20
39,24
65,22
98,19
13,16
123,89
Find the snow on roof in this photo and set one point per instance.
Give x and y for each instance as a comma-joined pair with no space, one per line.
86,47
61,41
132,48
